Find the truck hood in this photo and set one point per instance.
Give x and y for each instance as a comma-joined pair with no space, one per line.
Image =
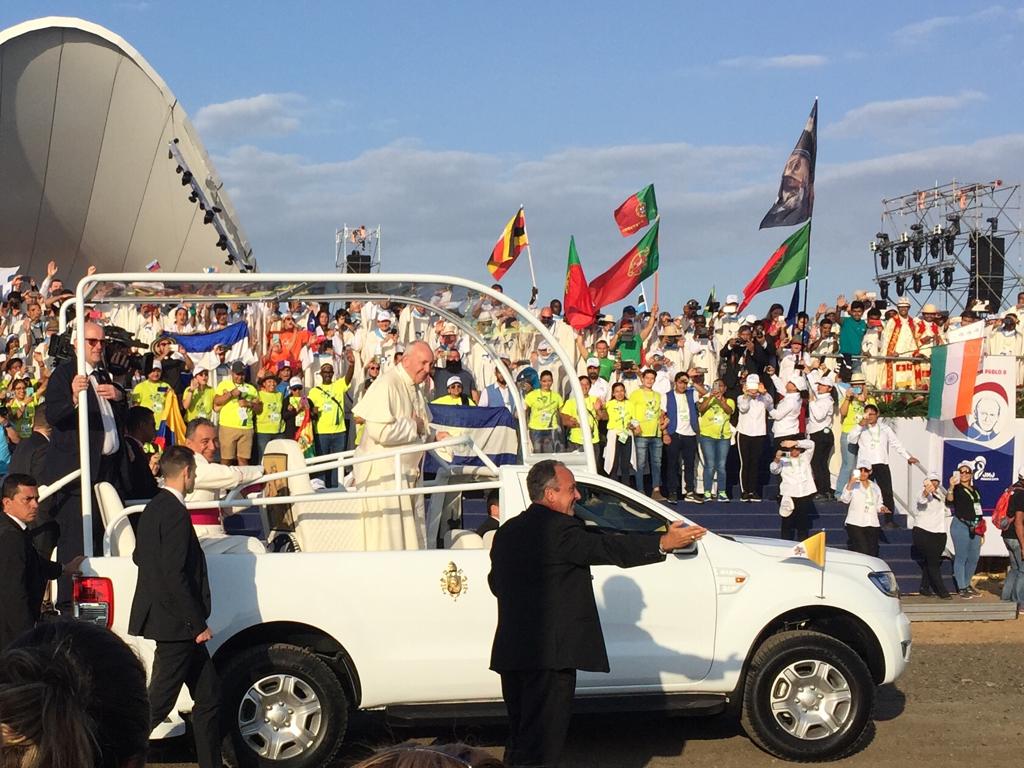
777,549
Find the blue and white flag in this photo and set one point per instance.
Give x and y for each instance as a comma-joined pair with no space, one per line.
200,345
493,430
7,275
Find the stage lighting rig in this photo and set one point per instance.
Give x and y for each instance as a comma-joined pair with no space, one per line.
901,250
935,242
917,242
883,289
947,277
933,279
994,223
916,281
901,285
881,246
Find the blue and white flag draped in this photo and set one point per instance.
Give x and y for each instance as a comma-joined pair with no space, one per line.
493,430
200,345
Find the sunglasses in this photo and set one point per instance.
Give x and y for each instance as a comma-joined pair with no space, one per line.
95,342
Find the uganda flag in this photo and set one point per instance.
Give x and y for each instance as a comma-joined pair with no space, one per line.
577,306
637,211
508,247
787,265
628,272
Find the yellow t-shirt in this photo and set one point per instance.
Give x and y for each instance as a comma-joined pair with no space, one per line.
329,400
231,414
543,407
152,395
268,421
451,400
855,413
575,433
714,422
201,404
646,405
620,413
23,423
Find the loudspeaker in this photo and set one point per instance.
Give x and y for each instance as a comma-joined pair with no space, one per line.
987,269
358,263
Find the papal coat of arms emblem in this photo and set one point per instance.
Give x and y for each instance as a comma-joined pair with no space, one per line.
454,582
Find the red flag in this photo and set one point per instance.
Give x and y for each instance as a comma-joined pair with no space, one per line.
637,211
577,305
628,272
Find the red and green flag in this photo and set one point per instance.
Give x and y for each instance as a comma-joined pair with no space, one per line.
787,265
513,240
628,272
577,307
637,211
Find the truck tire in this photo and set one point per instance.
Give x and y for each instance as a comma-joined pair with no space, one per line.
808,697
281,706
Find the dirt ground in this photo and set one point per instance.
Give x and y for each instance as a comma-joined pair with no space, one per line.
959,704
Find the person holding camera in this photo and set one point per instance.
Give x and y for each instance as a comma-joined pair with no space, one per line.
875,442
929,534
680,437
793,465
741,357
821,409
966,528
863,499
237,402
716,409
1007,339
751,432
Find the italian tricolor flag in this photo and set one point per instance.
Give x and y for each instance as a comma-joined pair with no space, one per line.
954,374
786,266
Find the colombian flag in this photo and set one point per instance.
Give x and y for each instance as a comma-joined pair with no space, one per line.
508,247
170,428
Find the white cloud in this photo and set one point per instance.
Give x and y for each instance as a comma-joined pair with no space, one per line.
789,61
442,210
884,118
268,114
919,31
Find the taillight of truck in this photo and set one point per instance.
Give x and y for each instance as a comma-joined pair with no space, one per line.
94,600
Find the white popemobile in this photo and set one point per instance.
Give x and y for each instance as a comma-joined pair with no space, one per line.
302,638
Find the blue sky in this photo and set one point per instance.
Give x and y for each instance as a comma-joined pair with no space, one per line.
436,120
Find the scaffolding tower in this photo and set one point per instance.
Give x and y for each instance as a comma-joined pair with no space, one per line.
957,246
357,249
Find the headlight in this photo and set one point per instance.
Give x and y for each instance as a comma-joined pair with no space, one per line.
886,583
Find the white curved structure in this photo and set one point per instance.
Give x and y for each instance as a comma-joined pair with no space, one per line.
85,124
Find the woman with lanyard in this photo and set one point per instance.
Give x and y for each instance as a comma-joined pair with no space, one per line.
930,536
967,519
618,454
851,411
715,434
864,503
751,434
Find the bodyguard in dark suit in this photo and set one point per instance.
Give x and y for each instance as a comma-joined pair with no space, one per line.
106,403
548,626
172,604
23,571
137,478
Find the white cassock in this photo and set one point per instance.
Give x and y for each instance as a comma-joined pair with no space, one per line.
390,408
212,480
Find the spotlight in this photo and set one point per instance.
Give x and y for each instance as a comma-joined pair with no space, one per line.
954,222
918,247
994,223
947,277
901,285
933,279
222,242
883,258
916,282
208,217
934,246
186,178
950,242
901,254
193,198
883,289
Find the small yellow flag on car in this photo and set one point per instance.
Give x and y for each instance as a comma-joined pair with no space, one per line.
812,548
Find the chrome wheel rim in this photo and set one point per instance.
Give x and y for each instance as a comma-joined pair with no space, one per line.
811,700
280,717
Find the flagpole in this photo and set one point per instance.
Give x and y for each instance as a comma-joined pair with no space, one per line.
529,254
655,290
821,591
807,279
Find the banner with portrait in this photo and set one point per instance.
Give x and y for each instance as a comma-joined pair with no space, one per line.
985,437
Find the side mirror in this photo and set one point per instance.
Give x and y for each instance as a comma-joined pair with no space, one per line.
687,551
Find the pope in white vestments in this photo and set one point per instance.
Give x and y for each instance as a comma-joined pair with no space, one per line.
396,414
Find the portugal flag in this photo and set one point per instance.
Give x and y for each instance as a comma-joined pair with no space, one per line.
787,265
512,241
637,212
626,274
577,306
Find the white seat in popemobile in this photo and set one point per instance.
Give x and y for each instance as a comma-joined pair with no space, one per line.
459,538
119,540
320,526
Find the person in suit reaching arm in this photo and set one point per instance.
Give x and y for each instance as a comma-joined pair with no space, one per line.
23,571
548,626
172,603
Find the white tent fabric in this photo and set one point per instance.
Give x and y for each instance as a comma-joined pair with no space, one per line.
85,177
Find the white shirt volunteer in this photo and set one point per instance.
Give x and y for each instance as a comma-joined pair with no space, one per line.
797,480
875,442
819,413
753,410
863,504
930,513
786,415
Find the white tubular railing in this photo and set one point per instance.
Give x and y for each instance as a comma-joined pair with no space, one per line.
46,491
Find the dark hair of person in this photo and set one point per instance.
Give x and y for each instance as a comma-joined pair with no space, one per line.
681,375
492,498
72,695
39,420
540,477
195,424
651,371
549,374
856,304
871,407
14,481
413,755
137,416
175,459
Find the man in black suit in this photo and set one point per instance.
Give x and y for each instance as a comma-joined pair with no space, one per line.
23,571
106,403
548,626
172,604
138,478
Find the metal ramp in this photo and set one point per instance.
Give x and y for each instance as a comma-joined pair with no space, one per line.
985,607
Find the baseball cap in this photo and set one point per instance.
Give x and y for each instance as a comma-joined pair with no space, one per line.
863,463
731,300
294,382
593,362
799,382
284,364
606,319
385,315
753,381
935,475
198,370
453,380
543,345
238,367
